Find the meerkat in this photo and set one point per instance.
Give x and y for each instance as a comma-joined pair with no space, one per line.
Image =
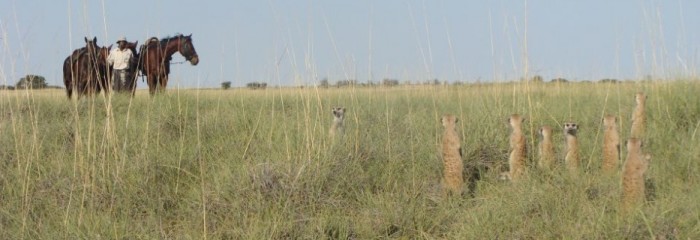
633,171
572,156
546,149
452,156
337,127
638,116
611,145
518,148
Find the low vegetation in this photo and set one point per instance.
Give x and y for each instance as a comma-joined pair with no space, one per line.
245,164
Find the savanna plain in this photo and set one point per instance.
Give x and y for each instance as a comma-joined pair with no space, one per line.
259,164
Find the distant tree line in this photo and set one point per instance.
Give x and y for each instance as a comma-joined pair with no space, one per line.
390,82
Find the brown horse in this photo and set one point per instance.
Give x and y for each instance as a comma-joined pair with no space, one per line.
70,73
85,69
155,59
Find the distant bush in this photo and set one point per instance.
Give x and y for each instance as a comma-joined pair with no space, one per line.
225,85
324,83
256,85
559,80
344,83
32,81
390,82
608,80
537,79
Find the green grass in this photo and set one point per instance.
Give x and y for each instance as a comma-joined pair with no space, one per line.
257,164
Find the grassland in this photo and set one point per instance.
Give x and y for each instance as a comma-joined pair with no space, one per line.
257,164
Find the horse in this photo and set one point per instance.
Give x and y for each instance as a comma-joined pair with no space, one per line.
70,75
155,59
85,69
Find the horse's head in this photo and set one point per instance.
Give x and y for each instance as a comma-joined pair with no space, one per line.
132,46
102,55
91,45
187,49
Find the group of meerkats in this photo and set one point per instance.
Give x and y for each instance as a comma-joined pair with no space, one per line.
633,168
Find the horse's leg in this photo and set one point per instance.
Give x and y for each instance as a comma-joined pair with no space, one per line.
163,82
130,83
151,79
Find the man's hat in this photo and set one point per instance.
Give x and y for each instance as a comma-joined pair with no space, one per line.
122,39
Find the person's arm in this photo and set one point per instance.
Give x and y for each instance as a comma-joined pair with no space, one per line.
110,59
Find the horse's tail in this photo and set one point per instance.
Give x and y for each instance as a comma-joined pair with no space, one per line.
67,76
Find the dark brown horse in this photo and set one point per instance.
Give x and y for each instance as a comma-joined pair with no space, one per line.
155,59
92,69
70,76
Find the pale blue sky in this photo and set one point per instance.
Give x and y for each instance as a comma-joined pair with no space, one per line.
301,42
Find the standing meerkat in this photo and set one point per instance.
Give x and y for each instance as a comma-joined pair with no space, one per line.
337,127
451,156
638,116
546,149
572,157
611,145
518,148
633,171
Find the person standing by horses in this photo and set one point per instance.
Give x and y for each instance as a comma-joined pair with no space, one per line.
120,59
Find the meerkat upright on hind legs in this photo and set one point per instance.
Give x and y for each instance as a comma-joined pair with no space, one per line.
633,171
451,156
572,152
518,148
546,149
639,116
337,127
611,145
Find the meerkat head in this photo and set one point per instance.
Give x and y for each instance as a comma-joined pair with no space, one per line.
570,128
339,113
634,144
515,120
545,131
449,120
640,98
609,121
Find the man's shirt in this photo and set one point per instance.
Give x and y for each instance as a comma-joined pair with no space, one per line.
120,58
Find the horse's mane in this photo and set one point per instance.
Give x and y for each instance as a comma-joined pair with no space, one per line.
167,39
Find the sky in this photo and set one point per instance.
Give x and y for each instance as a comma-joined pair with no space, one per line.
290,43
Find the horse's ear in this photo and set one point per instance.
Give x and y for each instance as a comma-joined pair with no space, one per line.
136,43
86,40
110,47
94,39
189,35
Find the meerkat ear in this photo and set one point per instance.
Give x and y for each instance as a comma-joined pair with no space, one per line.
456,120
